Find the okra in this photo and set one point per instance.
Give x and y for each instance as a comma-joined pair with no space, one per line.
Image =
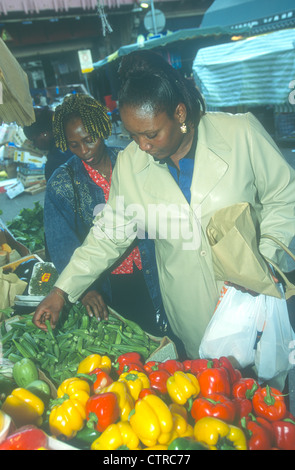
22,350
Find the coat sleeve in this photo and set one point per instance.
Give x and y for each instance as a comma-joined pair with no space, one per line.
108,239
275,182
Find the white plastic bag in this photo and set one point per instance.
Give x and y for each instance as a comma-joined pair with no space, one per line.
232,331
272,358
252,331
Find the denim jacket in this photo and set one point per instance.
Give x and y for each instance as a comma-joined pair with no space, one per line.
70,199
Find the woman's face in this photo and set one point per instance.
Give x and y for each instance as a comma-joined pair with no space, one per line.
156,134
80,143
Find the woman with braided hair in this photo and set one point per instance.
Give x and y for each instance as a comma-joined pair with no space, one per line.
73,194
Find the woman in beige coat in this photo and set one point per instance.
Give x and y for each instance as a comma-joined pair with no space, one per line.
182,166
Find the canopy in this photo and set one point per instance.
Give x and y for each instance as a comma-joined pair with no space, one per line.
180,35
252,12
255,71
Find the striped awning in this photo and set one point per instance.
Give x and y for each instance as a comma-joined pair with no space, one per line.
256,71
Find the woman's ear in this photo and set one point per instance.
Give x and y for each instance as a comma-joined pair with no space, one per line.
180,113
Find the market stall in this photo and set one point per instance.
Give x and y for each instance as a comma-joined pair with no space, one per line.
108,385
251,73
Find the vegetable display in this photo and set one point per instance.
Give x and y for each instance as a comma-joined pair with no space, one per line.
103,406
77,337
28,227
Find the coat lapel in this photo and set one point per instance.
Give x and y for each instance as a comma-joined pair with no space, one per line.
211,158
210,166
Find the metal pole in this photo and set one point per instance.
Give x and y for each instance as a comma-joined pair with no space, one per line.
153,17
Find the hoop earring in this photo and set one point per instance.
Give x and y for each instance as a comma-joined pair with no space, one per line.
183,128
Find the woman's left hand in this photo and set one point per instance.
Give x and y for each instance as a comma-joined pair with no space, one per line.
95,305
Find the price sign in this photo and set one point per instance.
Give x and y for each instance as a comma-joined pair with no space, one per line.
86,63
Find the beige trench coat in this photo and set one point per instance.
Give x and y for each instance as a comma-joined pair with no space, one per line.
235,161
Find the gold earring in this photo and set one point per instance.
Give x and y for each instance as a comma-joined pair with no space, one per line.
183,128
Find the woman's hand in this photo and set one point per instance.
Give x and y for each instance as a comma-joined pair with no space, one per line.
95,305
49,309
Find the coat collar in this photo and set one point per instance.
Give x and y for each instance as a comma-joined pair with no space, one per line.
211,158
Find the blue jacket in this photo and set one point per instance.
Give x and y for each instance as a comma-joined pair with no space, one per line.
70,199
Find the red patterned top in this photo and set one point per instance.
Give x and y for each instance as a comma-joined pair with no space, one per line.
126,267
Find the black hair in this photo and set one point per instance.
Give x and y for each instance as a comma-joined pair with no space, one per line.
147,79
92,113
42,124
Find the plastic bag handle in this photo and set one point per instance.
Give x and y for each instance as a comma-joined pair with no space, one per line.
290,288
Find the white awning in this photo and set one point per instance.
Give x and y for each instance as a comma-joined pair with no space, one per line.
255,71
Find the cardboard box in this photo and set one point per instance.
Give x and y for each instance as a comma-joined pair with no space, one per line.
26,157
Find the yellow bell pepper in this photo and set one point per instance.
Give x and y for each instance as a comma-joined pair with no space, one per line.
117,435
219,435
125,400
135,381
94,361
152,421
24,407
1,420
67,418
179,409
156,447
69,411
74,388
182,386
181,428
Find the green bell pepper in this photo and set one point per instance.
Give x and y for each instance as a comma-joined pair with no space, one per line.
185,443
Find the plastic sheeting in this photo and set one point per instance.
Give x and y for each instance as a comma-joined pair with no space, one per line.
255,72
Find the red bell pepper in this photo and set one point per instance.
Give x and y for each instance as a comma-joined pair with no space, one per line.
124,361
216,405
171,366
284,434
234,374
102,380
269,403
25,438
146,391
214,380
245,388
195,366
158,380
103,410
150,366
243,407
258,433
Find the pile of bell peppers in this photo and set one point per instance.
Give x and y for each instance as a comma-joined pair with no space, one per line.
191,405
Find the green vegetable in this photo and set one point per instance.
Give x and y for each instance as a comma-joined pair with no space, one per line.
28,227
24,372
6,386
41,389
58,352
185,443
85,437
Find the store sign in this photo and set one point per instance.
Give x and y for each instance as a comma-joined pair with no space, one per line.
86,63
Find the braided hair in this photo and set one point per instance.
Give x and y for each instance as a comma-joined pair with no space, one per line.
92,113
147,79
